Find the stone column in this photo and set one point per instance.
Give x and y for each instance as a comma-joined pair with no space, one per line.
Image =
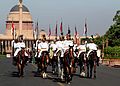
20,17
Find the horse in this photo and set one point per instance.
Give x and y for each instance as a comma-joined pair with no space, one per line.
82,63
21,61
44,60
68,64
91,64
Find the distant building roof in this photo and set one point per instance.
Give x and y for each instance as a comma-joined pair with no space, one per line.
16,9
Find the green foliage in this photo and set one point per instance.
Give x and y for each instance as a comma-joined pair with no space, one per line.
113,34
99,41
112,52
2,56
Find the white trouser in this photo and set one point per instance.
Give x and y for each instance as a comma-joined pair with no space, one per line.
16,52
62,52
26,53
40,53
80,52
89,52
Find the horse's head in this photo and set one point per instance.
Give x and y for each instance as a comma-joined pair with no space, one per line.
71,51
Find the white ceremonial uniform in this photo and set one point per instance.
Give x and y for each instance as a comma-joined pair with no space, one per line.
91,46
18,47
43,46
66,44
81,48
54,48
59,45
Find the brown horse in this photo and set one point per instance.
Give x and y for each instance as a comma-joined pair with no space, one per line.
91,64
44,60
21,61
69,64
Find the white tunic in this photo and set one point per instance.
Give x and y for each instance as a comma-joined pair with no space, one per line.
53,46
82,47
59,45
92,46
66,44
43,46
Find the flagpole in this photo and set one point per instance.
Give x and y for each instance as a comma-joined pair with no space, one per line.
49,32
75,34
13,39
37,37
56,30
86,38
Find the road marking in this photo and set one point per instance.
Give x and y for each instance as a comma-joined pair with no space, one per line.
60,84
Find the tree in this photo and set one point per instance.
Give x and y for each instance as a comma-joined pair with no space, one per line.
113,34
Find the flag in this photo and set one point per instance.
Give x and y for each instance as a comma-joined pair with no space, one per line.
68,30
75,32
13,29
35,34
61,28
56,30
49,31
85,28
35,31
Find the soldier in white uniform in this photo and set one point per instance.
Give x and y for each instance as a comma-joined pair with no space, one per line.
19,45
59,45
43,46
67,43
91,46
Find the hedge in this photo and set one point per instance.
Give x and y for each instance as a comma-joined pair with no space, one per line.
112,52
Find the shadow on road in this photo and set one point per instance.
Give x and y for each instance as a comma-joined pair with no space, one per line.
14,74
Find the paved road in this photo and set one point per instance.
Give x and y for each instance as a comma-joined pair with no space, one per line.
106,76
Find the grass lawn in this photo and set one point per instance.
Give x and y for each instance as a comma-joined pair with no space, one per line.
2,56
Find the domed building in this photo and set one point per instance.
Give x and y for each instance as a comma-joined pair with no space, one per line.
27,23
20,18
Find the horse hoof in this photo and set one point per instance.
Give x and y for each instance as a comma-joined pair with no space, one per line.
68,83
53,72
45,75
61,77
82,74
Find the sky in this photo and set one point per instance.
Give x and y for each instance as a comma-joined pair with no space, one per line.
98,14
